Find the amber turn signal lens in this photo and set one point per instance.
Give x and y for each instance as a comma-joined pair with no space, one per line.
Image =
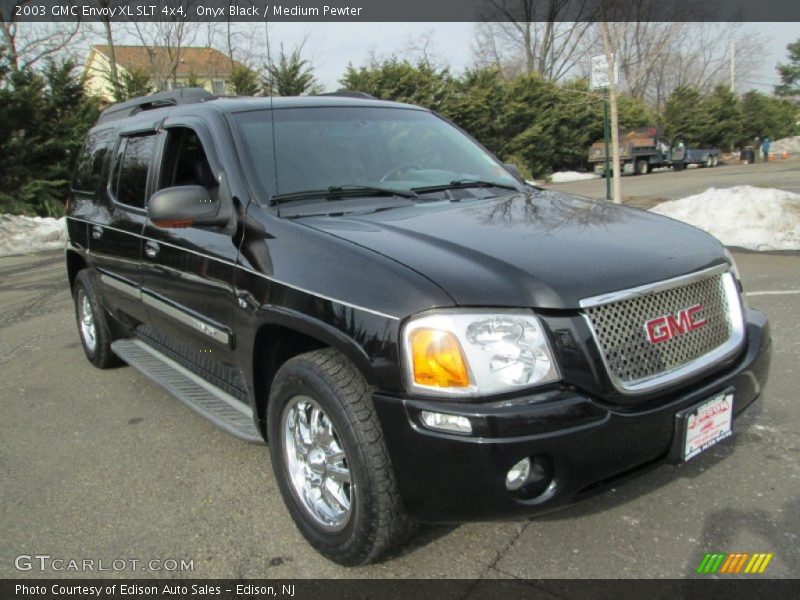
438,359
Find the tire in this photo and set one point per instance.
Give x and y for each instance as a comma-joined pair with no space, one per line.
351,523
679,165
714,161
641,167
709,162
92,320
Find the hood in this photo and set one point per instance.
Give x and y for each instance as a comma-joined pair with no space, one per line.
543,250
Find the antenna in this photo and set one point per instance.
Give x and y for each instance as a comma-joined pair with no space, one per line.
272,113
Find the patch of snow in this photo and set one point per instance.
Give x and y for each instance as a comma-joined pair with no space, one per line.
20,235
566,176
744,216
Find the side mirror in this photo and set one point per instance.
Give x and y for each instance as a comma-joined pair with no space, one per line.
513,170
184,206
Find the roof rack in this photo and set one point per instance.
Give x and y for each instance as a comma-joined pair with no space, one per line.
160,100
349,94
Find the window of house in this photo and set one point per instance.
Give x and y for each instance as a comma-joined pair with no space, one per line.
133,164
89,167
218,86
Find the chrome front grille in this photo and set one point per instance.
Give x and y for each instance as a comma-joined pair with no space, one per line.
634,363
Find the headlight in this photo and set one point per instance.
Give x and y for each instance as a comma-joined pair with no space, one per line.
471,353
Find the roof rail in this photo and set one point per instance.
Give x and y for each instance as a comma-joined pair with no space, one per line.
159,100
349,94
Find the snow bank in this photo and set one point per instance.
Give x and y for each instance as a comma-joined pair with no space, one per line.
19,235
565,176
745,216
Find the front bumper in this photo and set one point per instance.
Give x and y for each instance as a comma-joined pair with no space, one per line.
451,478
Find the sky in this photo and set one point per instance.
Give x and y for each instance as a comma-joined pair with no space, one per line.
331,46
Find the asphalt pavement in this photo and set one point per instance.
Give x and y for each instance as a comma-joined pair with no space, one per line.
646,191
104,465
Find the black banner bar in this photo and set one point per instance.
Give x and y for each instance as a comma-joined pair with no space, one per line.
399,10
351,589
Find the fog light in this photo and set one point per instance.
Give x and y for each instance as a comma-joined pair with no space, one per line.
518,474
445,422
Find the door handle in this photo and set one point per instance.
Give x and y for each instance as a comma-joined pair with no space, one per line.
97,232
151,249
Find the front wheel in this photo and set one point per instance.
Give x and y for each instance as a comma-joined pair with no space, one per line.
330,459
641,167
678,165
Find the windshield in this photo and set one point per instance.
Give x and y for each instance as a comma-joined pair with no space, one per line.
390,148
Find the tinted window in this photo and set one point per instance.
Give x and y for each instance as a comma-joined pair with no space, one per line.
132,177
185,161
89,168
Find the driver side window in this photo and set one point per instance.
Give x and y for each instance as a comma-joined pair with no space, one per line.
185,161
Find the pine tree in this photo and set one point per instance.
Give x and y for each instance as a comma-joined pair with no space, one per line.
725,124
790,72
686,116
292,75
244,81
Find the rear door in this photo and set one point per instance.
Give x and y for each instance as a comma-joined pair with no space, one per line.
188,273
116,226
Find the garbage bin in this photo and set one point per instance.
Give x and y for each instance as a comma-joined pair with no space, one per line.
747,156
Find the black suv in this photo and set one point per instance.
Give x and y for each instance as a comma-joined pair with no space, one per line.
419,334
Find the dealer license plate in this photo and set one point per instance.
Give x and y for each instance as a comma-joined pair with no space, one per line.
707,424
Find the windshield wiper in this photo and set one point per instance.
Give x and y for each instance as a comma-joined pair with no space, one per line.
335,192
464,183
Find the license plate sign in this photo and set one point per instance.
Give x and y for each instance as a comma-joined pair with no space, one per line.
707,424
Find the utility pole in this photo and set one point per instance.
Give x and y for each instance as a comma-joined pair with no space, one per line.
607,139
733,68
612,101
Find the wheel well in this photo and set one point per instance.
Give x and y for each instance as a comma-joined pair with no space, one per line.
75,263
274,345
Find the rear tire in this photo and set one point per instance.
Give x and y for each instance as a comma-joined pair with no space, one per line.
92,319
331,461
641,167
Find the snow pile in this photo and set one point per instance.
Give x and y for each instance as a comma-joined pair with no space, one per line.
789,144
566,176
744,216
20,235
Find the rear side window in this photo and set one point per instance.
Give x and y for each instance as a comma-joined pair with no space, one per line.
89,168
130,174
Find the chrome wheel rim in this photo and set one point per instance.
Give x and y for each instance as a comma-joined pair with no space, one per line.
316,463
86,320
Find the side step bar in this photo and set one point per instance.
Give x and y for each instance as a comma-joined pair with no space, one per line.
209,401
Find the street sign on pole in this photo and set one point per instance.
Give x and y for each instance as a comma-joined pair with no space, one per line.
599,73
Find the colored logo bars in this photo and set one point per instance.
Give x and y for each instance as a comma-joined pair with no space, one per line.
735,562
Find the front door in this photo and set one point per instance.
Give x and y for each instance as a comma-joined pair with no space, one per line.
188,272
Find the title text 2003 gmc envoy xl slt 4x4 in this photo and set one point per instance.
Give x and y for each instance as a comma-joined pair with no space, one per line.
418,334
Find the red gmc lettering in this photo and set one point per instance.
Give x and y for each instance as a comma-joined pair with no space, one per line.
667,327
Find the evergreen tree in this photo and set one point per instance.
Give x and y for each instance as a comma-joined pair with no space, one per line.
790,72
292,75
134,83
402,81
244,81
45,116
686,116
725,124
766,116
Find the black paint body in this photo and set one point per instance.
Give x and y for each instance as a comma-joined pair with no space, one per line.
350,281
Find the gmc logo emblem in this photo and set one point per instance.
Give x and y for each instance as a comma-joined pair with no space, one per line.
667,327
